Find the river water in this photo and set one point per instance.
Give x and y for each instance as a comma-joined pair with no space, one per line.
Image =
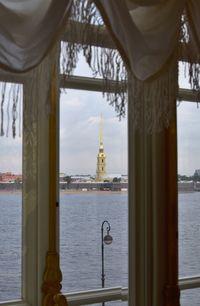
80,242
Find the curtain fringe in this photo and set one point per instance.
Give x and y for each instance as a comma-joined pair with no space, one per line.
104,62
192,65
153,102
11,97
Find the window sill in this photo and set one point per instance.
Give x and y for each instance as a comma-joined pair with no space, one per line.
97,296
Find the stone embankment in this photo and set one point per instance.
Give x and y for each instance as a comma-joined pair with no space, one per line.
113,186
183,186
10,186
188,186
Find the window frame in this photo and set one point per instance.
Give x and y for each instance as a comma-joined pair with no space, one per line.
87,83
99,295
190,282
34,245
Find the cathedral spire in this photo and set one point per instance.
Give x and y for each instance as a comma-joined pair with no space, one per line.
101,157
101,130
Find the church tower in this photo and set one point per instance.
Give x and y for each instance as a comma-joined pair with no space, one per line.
101,158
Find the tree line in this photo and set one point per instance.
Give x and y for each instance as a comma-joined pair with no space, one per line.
195,177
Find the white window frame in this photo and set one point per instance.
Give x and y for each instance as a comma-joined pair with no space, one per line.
99,295
85,83
34,208
192,282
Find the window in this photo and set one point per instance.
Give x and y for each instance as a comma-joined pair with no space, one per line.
190,297
11,196
83,211
148,195
24,247
188,195
85,203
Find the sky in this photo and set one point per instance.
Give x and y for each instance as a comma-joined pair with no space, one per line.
79,134
188,124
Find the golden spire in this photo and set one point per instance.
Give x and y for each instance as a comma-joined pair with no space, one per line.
101,132
101,157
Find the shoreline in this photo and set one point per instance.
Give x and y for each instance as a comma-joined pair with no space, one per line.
71,191
92,191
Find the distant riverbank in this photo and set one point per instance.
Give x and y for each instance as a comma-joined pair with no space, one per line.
75,186
14,186
81,187
97,192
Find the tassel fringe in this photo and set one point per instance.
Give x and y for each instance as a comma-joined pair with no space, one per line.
192,63
104,62
11,97
153,102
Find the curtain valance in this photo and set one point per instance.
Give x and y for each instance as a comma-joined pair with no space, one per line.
150,36
28,29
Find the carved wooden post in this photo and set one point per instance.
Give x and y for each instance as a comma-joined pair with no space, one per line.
60,300
172,291
52,275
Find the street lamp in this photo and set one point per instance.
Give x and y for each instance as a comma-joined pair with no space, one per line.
107,239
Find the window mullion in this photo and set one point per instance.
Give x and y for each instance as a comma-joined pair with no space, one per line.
189,283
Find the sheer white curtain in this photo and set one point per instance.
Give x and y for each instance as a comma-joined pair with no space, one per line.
147,34
147,31
28,29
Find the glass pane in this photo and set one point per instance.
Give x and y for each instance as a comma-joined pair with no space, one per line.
10,205
10,239
183,75
190,297
82,68
189,185
86,202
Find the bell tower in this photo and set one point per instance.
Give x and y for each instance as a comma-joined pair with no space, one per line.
101,158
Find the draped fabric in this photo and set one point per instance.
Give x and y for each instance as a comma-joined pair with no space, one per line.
147,37
146,33
149,32
28,29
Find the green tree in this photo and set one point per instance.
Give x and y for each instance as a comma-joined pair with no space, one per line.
196,177
116,180
67,179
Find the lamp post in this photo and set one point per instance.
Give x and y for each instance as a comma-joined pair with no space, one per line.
107,239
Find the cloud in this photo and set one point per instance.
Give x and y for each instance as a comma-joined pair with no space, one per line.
188,135
94,120
71,102
11,154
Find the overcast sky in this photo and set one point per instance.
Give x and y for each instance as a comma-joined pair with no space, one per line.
79,135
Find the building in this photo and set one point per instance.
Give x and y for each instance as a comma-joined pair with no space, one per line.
101,158
9,177
197,172
150,41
